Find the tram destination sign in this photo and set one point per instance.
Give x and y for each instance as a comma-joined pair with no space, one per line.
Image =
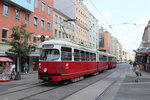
47,46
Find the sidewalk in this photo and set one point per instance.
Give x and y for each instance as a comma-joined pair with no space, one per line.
131,90
26,79
29,77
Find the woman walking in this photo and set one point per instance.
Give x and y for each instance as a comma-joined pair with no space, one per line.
137,71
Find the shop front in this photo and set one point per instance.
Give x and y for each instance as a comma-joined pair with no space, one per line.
143,58
33,60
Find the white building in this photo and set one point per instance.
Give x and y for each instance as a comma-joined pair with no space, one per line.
93,32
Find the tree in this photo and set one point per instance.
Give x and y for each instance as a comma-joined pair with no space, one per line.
20,43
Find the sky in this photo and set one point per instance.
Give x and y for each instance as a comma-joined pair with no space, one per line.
127,18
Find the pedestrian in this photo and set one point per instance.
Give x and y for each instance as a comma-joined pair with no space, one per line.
26,67
137,71
13,71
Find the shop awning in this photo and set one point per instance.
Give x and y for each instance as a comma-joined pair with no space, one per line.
4,59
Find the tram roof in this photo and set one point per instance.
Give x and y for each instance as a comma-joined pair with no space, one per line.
67,43
102,53
110,55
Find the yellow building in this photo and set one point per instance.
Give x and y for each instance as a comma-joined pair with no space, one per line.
82,22
63,29
75,9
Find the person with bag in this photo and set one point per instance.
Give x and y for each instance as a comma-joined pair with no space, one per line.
137,71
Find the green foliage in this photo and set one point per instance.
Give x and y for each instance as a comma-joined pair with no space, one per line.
20,41
1,70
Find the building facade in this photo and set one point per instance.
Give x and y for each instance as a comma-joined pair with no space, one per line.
93,32
109,44
75,9
143,52
63,29
104,40
36,14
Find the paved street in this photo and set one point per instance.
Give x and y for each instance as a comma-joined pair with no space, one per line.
114,84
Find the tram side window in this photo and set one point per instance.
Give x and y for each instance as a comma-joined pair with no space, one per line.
82,55
93,57
76,55
87,56
114,59
66,54
105,58
90,58
110,58
100,58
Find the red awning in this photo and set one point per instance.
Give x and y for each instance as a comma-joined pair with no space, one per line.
4,59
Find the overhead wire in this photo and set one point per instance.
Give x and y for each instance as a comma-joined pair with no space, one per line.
101,14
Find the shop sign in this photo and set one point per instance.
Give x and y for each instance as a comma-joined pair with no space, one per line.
4,47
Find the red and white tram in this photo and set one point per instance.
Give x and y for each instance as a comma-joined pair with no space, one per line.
61,60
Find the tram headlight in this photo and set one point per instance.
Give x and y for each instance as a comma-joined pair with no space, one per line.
45,69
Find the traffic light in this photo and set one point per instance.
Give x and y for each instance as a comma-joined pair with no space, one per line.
42,38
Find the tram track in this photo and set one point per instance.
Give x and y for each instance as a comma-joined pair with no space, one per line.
53,88
38,93
83,88
18,90
21,92
42,90
106,90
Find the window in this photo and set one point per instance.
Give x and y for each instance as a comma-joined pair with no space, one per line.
93,56
17,14
56,19
42,24
59,20
27,18
35,21
48,26
66,54
6,10
50,55
36,3
102,58
59,34
82,56
43,6
55,33
76,55
64,35
87,56
49,10
101,40
4,34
